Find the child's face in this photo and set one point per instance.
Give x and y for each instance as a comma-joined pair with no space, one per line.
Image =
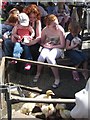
16,13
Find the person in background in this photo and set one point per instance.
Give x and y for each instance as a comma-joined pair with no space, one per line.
7,27
33,12
43,13
53,42
73,50
62,11
22,33
50,8
11,20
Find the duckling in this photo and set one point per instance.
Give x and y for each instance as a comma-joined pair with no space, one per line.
47,95
32,95
48,110
27,108
63,112
60,106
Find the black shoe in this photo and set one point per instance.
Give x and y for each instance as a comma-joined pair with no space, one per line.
55,85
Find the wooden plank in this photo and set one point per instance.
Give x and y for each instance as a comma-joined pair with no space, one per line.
45,64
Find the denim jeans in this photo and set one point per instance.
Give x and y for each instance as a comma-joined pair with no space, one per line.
8,46
26,52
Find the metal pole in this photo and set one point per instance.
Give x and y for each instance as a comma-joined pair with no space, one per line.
9,106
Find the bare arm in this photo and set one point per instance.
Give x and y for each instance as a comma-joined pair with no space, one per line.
43,37
38,29
32,32
68,45
14,36
38,34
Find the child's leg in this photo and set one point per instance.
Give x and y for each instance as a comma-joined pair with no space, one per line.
85,72
27,53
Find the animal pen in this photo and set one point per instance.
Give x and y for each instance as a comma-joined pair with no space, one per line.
9,83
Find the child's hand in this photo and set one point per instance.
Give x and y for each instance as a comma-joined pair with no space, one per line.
30,38
17,36
75,45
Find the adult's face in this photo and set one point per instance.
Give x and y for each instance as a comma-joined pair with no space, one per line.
54,24
32,17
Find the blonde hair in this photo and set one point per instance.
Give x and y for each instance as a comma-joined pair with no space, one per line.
49,19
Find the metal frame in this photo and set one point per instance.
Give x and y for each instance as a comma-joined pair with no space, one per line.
6,88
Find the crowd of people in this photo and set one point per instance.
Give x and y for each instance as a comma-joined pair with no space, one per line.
25,31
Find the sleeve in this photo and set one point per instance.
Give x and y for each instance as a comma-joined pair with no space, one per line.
69,37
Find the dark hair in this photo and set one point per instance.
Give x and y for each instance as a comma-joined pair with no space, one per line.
74,27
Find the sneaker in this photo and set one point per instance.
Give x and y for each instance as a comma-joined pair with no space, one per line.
27,66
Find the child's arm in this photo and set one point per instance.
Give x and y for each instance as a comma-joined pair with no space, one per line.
69,46
14,36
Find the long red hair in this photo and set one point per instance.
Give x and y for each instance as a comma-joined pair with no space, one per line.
32,9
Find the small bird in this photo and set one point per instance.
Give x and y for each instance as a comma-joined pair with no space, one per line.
64,113
48,95
32,95
48,110
27,108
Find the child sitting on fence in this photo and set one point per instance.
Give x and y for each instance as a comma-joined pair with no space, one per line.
22,33
73,50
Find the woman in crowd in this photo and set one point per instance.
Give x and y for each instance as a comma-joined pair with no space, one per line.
74,52
53,42
6,31
35,21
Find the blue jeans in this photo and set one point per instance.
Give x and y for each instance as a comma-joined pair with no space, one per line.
8,46
76,57
26,52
